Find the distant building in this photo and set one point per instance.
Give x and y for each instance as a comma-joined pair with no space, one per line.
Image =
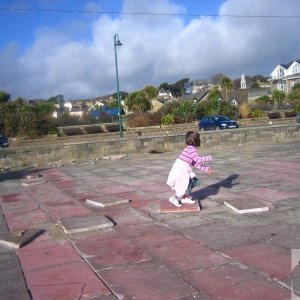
165,95
285,76
243,82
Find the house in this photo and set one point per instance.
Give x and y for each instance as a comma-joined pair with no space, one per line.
285,76
96,105
105,111
165,95
156,105
196,97
200,88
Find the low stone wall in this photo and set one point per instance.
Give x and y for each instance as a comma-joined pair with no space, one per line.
167,142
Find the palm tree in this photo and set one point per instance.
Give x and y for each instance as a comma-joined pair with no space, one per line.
226,85
138,102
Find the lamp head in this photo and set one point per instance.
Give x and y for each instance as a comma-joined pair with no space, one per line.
117,41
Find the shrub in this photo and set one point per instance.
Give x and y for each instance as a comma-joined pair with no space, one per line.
297,107
257,113
184,112
244,110
227,109
262,99
167,119
144,119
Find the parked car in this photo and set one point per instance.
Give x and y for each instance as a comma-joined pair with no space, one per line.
216,123
3,140
298,117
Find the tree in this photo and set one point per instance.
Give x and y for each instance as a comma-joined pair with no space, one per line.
179,87
151,91
123,95
138,102
226,84
4,97
164,86
215,94
294,95
111,104
278,96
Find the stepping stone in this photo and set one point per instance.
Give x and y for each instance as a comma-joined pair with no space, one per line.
32,181
20,238
114,157
82,224
246,205
167,207
34,175
106,201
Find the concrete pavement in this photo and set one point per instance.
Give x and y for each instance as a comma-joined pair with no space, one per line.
147,249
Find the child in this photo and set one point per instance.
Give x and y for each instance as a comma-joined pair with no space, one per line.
181,177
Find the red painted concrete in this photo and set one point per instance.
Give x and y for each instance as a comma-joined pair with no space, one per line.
82,290
40,255
232,282
184,255
147,281
265,257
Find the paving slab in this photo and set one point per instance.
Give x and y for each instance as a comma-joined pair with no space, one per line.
40,255
68,211
167,207
87,223
270,195
274,261
209,254
231,281
108,253
13,284
148,234
125,215
88,290
148,281
116,189
195,255
33,175
20,238
26,220
246,205
32,181
106,201
73,280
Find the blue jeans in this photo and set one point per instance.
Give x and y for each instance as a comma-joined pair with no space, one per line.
192,183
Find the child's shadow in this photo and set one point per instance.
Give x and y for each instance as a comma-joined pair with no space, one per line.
213,189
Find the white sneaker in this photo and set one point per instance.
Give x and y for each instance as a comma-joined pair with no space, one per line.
188,200
175,201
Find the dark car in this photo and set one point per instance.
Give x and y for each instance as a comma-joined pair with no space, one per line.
217,122
3,140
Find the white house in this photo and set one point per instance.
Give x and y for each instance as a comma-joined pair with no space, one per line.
165,94
96,105
285,76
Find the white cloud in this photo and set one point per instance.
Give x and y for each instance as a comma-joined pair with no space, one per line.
155,49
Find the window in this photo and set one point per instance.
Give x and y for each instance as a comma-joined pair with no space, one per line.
294,82
280,86
280,73
296,68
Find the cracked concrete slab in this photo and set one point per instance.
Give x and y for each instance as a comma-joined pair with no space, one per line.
82,224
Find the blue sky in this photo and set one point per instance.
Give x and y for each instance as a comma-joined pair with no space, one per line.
45,53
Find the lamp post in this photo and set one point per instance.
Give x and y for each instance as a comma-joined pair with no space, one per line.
117,43
219,104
